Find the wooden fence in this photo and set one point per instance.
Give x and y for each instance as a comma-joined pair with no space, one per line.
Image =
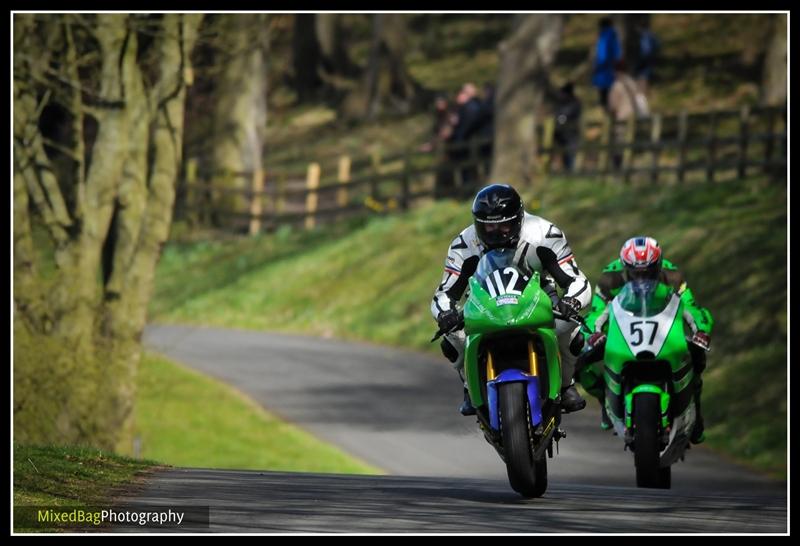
712,146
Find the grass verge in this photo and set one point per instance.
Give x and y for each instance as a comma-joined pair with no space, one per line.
185,418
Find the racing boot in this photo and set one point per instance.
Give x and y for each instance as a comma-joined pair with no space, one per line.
571,400
466,408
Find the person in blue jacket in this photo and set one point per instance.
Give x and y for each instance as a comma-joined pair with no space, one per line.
607,53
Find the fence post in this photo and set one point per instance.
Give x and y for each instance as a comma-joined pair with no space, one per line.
343,177
655,141
255,201
744,137
549,128
627,154
712,147
312,183
192,192
602,163
375,156
683,131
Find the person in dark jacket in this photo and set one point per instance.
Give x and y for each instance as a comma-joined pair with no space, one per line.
567,130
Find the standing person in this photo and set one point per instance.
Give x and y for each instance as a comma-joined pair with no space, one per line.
648,50
624,102
485,130
568,118
469,117
441,131
500,221
607,53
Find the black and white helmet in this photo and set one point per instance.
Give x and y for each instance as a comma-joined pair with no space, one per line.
498,212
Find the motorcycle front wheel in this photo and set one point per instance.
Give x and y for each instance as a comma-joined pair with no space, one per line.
646,455
527,477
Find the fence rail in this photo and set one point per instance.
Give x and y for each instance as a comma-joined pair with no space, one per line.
717,145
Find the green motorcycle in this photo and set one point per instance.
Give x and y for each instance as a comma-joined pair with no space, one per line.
512,366
649,378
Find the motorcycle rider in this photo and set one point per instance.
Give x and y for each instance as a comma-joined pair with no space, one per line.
640,258
500,221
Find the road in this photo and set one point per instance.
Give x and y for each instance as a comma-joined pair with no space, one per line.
397,410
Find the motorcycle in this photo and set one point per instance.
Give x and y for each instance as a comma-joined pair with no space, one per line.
648,378
512,367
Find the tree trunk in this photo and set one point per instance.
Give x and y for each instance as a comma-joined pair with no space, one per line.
306,57
386,85
77,340
774,83
240,111
525,58
332,41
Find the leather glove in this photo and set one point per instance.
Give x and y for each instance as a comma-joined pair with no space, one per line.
449,319
569,306
596,339
702,340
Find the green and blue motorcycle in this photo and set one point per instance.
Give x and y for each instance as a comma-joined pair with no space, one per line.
512,366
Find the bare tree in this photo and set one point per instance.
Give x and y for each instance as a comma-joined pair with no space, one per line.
332,39
525,59
386,85
239,106
306,57
98,124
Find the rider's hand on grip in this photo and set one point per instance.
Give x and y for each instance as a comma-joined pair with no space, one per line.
596,339
702,340
569,307
449,319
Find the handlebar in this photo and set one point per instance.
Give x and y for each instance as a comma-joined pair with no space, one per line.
578,319
458,326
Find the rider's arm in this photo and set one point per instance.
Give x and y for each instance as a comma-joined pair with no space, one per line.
460,264
608,285
556,258
699,318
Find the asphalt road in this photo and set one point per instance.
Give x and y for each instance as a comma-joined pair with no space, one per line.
397,410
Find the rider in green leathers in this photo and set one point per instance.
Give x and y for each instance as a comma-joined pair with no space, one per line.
642,255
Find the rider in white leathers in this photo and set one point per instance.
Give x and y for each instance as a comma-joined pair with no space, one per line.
500,221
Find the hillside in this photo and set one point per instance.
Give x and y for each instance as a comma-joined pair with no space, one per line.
373,279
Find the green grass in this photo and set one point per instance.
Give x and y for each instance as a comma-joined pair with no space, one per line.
375,282
51,476
185,418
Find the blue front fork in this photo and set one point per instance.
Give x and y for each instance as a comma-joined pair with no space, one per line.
514,376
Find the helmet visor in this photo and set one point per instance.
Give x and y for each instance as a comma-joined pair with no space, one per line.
498,234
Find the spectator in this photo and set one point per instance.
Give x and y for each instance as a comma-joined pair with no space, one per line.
444,120
625,101
468,113
607,52
567,130
485,130
442,124
648,50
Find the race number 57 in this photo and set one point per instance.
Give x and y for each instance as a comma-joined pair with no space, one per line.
637,329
